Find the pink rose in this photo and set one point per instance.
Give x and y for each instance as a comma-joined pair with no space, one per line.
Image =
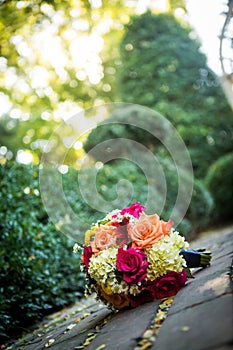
169,284
135,209
132,262
87,254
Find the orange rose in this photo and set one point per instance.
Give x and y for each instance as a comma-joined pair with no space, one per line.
119,300
104,238
148,230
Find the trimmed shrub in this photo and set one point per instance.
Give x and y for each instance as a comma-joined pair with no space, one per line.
219,182
201,206
163,68
38,271
130,122
118,193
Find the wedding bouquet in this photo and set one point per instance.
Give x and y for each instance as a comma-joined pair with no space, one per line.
130,258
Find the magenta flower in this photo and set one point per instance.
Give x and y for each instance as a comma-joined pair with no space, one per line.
132,262
87,254
122,235
169,284
135,209
182,277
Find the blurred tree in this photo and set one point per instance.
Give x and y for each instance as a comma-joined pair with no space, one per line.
226,52
163,68
51,65
128,122
177,4
58,59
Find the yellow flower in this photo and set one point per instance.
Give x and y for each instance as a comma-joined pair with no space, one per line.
119,300
89,234
106,288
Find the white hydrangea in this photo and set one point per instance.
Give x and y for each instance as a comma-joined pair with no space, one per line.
164,256
103,265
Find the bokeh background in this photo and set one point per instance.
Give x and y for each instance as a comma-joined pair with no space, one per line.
61,58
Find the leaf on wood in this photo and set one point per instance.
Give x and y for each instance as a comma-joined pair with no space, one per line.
102,346
50,342
72,325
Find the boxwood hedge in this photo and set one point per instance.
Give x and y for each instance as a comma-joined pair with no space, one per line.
219,182
199,212
38,271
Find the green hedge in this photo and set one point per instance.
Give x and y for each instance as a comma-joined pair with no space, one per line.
197,217
201,207
160,64
219,182
38,271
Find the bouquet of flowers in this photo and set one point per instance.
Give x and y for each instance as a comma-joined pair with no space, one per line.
130,258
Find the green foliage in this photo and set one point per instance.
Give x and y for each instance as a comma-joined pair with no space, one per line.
52,59
38,270
219,182
174,4
130,122
106,181
201,206
156,50
143,187
203,141
162,68
110,175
